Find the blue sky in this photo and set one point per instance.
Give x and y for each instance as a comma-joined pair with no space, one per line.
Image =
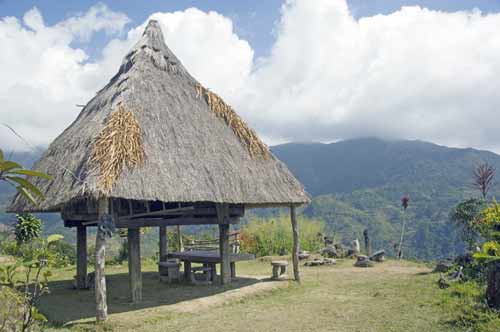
253,20
313,70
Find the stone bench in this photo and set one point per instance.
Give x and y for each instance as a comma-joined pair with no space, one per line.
279,269
169,271
204,271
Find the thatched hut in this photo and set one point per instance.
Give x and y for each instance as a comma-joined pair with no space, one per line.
155,148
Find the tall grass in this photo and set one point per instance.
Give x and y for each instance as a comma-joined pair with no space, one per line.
273,236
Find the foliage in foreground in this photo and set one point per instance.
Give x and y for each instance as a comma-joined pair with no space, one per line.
273,236
467,303
23,283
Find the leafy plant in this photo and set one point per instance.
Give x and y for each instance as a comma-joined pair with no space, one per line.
37,257
273,236
465,216
15,174
27,228
11,313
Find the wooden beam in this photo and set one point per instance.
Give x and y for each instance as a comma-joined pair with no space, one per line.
163,243
182,212
100,261
157,222
134,264
180,246
295,251
225,266
81,257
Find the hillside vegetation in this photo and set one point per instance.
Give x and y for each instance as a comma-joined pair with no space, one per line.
357,185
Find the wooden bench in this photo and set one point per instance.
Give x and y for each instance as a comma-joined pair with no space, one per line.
279,269
206,271
169,270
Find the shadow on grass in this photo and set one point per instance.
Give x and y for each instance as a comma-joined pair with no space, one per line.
65,304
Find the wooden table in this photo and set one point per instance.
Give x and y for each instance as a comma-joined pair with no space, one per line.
209,258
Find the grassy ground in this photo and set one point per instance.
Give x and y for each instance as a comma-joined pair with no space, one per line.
393,296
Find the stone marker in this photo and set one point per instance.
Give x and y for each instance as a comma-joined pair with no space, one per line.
363,261
378,256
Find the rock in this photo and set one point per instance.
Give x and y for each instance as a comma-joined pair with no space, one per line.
442,282
304,255
319,262
443,266
356,247
378,256
329,251
363,261
493,289
341,251
330,261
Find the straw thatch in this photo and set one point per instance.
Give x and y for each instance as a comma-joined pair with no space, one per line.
181,143
119,145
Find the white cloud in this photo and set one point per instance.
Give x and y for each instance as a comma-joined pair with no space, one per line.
415,73
44,76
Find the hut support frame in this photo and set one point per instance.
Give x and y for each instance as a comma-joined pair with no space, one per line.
163,243
81,257
225,266
295,252
100,261
134,264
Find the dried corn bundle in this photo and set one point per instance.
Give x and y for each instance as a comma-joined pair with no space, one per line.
245,134
118,145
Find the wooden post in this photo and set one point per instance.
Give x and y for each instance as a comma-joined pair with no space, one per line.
100,262
163,243
81,257
225,266
134,264
295,252
180,246
368,247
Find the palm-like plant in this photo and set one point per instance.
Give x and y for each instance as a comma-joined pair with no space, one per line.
15,174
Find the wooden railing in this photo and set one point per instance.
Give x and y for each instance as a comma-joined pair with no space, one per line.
208,245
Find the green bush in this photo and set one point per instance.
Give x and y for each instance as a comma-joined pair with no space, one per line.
273,236
27,228
470,312
11,310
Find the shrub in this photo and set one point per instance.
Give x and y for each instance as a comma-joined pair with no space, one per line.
11,313
27,228
265,237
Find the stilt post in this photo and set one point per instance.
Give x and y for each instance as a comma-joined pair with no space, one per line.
81,257
225,270
100,262
295,251
163,244
134,264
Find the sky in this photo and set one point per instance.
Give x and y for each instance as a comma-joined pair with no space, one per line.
295,70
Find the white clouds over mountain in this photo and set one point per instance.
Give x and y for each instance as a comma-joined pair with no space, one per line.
414,73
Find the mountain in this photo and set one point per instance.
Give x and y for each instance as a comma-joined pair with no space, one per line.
357,184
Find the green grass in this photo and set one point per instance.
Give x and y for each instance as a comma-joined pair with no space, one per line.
393,296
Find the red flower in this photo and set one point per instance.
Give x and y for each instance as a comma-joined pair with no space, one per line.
405,201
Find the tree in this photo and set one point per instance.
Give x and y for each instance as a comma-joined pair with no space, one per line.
14,174
465,215
405,200
483,178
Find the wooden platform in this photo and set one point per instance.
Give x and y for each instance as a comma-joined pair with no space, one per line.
206,257
210,259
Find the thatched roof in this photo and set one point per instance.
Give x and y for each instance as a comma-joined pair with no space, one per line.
154,133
